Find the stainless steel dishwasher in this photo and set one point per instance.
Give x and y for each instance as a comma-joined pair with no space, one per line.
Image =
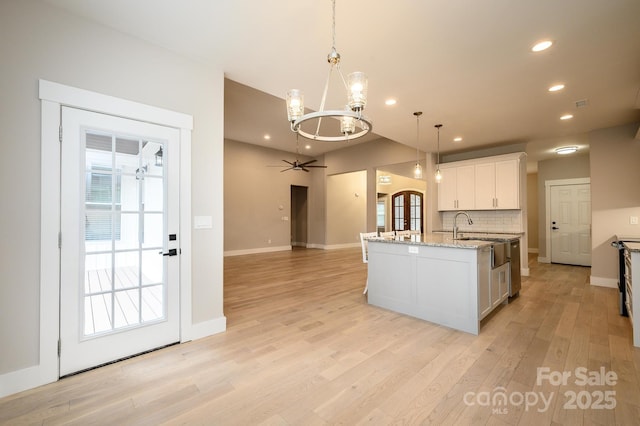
513,256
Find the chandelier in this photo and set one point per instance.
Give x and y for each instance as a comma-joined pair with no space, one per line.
353,123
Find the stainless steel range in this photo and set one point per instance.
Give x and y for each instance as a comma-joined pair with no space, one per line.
618,243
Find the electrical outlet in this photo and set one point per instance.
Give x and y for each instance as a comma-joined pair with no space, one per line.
633,220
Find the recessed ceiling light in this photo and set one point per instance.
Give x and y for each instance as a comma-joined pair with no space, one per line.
543,45
556,87
390,102
566,117
457,139
566,150
307,147
267,137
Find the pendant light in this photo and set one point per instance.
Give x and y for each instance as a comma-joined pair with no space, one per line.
438,174
417,171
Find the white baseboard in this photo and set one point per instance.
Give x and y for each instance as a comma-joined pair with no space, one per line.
524,272
206,328
603,282
544,260
256,250
25,379
533,250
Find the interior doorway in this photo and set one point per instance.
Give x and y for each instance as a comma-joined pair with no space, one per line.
299,214
569,221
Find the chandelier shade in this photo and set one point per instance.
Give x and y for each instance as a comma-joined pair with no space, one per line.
353,123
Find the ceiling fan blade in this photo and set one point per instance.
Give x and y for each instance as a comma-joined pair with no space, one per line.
320,167
304,168
308,162
289,162
288,168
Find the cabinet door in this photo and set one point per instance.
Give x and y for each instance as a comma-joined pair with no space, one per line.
447,189
485,186
507,185
484,281
465,187
504,283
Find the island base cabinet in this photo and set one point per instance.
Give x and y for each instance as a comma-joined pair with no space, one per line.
436,284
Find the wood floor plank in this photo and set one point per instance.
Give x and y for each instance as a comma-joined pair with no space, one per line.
303,347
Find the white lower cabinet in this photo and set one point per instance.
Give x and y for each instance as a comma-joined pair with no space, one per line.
494,290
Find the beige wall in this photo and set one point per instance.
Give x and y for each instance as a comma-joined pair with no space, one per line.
532,210
615,194
257,197
346,207
40,41
569,167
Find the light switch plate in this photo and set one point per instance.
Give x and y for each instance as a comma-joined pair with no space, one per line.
202,222
413,250
633,220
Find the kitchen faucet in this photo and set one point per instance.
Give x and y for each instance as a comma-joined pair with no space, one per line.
455,225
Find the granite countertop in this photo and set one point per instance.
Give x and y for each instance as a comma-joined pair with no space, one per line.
492,236
434,240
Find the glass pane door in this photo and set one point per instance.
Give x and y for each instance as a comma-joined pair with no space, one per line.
124,204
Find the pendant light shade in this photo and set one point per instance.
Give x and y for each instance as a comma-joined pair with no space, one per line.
417,170
438,174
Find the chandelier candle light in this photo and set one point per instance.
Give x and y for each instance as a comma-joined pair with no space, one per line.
351,117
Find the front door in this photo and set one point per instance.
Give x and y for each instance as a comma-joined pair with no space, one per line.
407,211
119,289
570,210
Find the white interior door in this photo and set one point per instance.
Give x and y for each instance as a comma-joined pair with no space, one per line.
571,224
119,289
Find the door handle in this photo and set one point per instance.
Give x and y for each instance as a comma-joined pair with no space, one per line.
554,227
171,252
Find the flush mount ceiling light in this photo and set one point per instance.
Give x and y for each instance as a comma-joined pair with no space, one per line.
438,174
417,171
351,117
384,180
543,45
556,87
566,150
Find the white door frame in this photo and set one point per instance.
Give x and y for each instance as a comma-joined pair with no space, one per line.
547,197
53,96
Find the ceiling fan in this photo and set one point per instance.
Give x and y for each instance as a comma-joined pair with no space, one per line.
297,164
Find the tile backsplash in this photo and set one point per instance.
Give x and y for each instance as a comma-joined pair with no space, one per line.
486,221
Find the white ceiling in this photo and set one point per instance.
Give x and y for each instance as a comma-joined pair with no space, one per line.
465,63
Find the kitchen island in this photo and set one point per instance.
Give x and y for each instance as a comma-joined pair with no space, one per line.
435,278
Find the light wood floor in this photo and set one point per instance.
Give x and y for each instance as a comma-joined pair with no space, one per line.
304,348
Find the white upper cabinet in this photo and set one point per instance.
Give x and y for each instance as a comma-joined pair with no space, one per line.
456,190
491,183
497,185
